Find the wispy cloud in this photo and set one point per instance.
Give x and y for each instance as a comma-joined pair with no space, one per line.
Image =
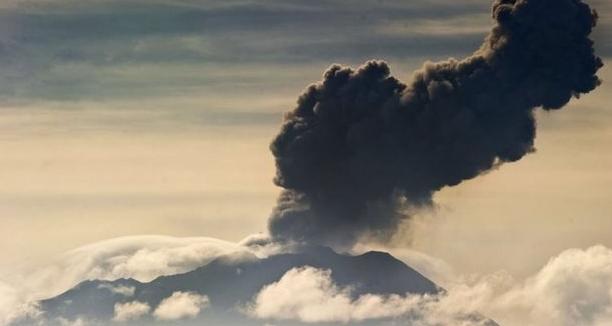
54,49
140,257
126,291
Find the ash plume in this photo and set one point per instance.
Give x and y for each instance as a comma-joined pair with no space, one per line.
361,146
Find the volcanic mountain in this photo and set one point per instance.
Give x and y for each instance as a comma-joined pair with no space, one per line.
230,283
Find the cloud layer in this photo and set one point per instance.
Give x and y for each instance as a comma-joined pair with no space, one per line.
572,289
140,257
143,257
308,294
51,49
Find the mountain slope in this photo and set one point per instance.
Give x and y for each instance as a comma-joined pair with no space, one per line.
230,283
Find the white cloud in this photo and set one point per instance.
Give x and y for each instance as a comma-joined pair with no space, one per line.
126,291
181,305
145,257
572,289
309,295
261,245
141,257
13,306
130,310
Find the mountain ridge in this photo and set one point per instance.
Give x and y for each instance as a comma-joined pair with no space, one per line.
231,283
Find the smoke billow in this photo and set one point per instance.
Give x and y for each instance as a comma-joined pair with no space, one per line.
361,146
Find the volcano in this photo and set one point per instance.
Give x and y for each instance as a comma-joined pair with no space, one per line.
231,282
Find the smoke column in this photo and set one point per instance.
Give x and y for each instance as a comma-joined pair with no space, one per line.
361,146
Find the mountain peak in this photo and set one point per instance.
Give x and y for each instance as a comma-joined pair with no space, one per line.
231,281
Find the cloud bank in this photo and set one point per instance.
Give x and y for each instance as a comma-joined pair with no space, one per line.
572,289
309,295
140,257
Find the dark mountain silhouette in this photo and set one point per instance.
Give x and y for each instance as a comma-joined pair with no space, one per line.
232,282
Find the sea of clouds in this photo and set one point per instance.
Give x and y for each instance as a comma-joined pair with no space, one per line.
572,288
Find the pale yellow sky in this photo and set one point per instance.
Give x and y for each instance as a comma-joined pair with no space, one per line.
68,180
165,129
61,191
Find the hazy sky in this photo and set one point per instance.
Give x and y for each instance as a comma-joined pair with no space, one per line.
154,117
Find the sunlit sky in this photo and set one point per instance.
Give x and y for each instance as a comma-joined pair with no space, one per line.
154,117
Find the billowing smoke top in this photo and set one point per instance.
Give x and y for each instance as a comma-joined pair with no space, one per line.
361,145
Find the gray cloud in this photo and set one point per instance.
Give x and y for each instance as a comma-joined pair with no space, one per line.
52,49
71,50
603,33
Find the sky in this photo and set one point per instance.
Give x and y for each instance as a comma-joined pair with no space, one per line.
139,117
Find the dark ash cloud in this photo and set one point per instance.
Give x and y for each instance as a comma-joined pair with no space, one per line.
361,146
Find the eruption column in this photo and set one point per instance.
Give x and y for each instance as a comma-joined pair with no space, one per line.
361,146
